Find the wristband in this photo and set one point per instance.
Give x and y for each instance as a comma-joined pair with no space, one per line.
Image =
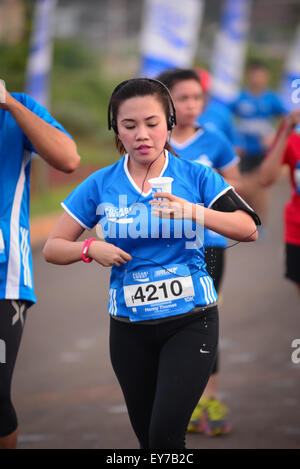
85,248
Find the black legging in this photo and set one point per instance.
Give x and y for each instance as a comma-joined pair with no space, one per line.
163,370
12,319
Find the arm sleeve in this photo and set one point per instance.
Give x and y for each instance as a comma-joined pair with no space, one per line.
231,201
82,203
41,112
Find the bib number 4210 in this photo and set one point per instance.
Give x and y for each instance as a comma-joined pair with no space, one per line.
153,292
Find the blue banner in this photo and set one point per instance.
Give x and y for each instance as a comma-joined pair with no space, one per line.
290,90
169,35
40,56
228,59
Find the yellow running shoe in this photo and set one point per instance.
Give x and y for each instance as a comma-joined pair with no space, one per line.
196,424
214,417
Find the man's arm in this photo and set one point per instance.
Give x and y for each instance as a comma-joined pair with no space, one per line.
269,170
53,145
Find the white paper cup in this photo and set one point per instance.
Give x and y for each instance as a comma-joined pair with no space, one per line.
161,184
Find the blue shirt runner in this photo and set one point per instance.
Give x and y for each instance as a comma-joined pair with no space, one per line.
16,275
211,148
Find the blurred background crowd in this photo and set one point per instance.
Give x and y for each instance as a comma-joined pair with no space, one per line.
85,48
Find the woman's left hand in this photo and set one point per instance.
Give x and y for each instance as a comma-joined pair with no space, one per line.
171,206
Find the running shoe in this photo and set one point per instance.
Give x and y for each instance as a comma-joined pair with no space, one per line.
214,417
196,424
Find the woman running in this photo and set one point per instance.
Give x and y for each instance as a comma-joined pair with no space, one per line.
162,302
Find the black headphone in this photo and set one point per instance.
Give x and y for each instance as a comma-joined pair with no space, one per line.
171,119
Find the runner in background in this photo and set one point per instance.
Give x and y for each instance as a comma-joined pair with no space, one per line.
286,151
215,115
255,109
25,127
204,145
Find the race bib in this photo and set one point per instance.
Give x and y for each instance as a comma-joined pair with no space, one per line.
158,292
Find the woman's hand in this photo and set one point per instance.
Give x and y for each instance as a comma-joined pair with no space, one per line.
171,206
107,254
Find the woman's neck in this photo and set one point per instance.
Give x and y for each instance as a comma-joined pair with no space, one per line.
182,133
138,170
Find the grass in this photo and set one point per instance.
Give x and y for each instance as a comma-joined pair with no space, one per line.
49,202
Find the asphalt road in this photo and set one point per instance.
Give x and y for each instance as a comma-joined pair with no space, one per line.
64,387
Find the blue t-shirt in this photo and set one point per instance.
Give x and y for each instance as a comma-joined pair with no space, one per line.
16,275
217,116
166,275
211,148
254,118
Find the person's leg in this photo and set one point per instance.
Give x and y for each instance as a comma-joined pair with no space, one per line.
185,364
210,414
12,319
135,362
292,264
215,266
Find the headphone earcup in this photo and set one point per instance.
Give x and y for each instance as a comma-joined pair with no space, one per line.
171,122
114,126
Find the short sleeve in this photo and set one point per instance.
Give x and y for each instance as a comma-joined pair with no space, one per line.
212,186
226,156
41,112
278,106
82,203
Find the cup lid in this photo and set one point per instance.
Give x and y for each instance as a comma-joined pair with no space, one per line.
160,180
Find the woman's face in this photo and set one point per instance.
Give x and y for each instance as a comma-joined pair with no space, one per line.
188,97
142,127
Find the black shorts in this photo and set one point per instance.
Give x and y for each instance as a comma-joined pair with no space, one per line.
250,163
292,262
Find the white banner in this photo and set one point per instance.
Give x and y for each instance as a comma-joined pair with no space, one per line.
169,34
290,91
230,48
40,56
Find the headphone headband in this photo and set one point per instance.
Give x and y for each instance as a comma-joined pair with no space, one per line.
171,118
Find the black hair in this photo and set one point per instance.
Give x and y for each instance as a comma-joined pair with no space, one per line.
174,75
256,65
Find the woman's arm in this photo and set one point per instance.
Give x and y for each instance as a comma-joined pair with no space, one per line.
53,145
270,169
63,248
237,225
